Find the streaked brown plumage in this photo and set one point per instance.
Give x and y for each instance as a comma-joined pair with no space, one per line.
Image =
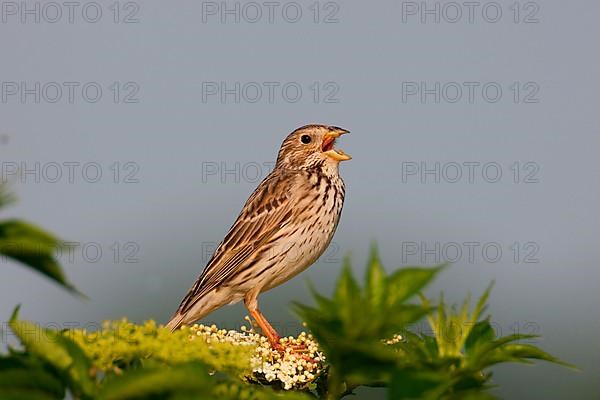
283,228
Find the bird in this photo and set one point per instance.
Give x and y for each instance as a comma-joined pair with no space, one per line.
282,229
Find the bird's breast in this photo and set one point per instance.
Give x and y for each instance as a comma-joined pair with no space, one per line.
311,230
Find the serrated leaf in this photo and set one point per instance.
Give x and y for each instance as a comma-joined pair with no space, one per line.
375,280
189,379
438,325
472,395
35,340
464,312
346,288
238,391
523,353
402,317
27,394
34,247
29,377
482,303
450,364
410,384
407,282
57,350
481,333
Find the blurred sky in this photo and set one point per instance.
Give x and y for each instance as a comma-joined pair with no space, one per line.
182,107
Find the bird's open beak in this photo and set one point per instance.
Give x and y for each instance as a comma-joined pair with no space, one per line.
329,142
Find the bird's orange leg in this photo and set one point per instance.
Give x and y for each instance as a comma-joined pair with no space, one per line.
267,329
274,337
252,305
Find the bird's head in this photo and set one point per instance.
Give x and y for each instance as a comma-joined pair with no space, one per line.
312,146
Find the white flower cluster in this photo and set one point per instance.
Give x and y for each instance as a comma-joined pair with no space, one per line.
296,368
397,338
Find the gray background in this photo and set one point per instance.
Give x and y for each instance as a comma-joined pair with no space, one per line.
175,210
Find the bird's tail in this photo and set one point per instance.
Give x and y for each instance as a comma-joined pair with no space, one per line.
176,321
201,308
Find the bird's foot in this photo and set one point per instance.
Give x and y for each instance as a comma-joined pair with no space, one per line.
300,347
287,345
300,350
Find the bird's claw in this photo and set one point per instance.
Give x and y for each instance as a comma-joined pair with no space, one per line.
297,350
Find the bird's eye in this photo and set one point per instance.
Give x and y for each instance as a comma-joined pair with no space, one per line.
305,139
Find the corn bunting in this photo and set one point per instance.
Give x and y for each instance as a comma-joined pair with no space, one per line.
284,227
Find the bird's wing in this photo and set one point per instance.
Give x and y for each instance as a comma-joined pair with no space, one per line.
267,210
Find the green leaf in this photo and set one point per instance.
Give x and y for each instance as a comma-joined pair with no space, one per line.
28,394
523,353
471,395
58,351
481,333
401,318
33,247
362,363
411,384
6,197
189,378
483,356
407,282
36,341
23,376
416,349
482,303
375,279
352,325
346,288
238,391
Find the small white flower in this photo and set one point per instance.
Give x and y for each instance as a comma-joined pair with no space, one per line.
291,368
